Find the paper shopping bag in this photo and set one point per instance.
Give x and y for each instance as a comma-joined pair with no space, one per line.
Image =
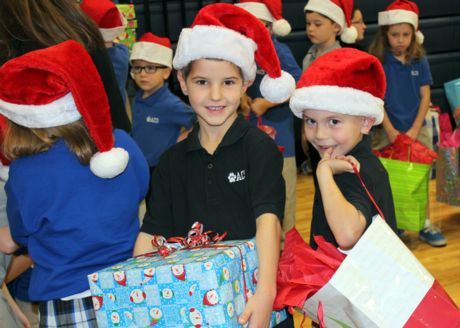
448,176
409,186
381,284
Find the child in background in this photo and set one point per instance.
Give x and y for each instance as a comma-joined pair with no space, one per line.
398,45
227,173
325,20
74,183
357,20
160,118
111,24
340,98
277,115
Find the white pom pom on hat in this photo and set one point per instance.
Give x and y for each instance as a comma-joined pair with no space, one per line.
225,31
339,11
402,11
346,81
57,86
269,11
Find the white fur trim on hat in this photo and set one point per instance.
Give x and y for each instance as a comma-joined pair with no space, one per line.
110,163
258,9
216,42
398,16
59,112
338,100
153,53
277,90
110,34
328,9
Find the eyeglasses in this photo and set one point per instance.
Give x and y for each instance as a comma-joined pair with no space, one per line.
149,69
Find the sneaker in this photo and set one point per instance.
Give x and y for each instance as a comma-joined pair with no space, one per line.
433,236
401,233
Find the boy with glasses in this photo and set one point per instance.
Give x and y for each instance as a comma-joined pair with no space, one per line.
160,118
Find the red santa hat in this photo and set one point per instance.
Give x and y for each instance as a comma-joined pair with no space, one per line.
402,11
107,17
269,11
56,86
339,11
227,32
346,81
153,49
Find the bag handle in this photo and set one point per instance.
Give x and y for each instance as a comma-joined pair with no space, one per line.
367,191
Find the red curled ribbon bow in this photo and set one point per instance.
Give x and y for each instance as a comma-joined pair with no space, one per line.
195,238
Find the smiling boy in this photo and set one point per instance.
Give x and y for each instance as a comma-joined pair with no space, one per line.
340,98
227,173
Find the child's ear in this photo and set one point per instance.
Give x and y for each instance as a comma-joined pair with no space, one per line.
336,28
166,73
246,85
183,85
367,124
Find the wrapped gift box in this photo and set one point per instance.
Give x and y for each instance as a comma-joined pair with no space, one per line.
198,287
129,36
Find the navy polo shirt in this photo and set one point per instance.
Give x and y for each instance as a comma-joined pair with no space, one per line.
157,122
402,98
226,191
279,117
119,55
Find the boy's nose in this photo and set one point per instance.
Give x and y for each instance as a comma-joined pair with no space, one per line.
216,92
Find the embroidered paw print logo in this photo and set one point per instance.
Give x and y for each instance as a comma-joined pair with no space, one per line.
232,177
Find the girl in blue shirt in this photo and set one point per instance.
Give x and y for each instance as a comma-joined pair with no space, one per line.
398,45
74,183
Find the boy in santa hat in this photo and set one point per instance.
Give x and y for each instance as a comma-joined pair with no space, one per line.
340,98
160,118
111,24
327,19
227,173
74,183
277,115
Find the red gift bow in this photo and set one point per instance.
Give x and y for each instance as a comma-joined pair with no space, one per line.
195,238
406,149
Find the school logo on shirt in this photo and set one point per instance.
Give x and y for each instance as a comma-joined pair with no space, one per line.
238,176
151,119
414,72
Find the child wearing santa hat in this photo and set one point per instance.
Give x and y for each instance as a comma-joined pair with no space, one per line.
277,115
398,45
111,24
340,98
227,173
74,183
160,118
327,19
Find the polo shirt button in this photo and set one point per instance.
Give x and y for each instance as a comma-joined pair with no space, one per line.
210,166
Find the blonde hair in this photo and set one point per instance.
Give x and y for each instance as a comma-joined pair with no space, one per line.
381,43
21,141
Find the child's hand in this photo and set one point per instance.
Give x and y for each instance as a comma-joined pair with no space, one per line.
258,310
392,134
413,133
338,164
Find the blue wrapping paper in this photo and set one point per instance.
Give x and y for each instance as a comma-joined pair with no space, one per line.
190,288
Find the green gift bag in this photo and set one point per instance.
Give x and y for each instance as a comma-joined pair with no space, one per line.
409,185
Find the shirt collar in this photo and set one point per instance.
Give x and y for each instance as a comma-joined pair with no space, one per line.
154,96
234,133
362,146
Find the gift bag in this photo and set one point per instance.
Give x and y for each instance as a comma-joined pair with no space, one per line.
409,186
408,164
448,176
379,283
128,38
452,90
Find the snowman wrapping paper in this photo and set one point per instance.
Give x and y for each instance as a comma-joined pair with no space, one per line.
200,287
